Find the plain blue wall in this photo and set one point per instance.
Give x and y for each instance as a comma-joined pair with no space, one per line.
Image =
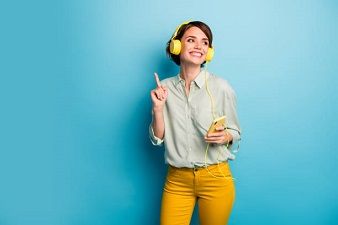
75,82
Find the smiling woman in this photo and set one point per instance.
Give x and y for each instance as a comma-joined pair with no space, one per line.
174,44
183,108
195,46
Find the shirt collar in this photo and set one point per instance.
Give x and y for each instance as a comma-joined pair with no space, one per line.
199,80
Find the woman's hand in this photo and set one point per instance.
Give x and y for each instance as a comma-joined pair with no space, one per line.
159,94
220,136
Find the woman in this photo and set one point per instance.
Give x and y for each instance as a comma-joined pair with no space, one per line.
183,108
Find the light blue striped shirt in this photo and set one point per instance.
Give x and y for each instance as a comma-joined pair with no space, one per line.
188,118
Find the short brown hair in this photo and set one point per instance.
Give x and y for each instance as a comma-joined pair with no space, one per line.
205,28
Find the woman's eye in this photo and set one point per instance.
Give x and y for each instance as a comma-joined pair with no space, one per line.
190,40
206,43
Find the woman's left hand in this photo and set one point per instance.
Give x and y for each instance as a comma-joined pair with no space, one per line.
220,136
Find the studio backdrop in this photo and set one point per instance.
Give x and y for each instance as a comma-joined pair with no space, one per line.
75,91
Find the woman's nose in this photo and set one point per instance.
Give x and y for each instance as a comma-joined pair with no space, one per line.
198,45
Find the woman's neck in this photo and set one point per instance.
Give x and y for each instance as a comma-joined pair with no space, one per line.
189,73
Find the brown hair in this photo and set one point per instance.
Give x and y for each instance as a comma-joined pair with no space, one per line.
205,28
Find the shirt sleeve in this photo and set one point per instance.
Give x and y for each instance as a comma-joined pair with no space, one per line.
236,135
154,140
233,126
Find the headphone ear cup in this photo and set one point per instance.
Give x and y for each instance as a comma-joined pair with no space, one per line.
210,54
175,47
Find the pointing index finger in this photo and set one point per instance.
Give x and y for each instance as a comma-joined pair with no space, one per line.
158,83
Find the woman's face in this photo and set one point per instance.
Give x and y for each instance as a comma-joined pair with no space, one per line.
195,45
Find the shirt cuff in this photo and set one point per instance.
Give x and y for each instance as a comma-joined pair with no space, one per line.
154,140
235,138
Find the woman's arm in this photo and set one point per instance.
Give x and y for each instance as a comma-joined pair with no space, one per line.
158,122
158,97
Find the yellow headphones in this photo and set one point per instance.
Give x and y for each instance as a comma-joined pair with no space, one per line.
175,45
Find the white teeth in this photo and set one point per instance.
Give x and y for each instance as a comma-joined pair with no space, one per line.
196,54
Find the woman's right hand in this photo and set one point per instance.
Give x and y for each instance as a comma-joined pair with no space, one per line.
159,94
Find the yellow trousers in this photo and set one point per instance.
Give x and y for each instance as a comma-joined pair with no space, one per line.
212,188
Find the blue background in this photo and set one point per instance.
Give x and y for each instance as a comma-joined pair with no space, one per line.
75,108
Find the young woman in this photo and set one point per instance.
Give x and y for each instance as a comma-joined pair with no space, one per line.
183,108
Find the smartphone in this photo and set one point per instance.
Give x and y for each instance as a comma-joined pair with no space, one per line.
218,122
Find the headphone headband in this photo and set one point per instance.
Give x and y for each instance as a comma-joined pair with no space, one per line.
178,28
